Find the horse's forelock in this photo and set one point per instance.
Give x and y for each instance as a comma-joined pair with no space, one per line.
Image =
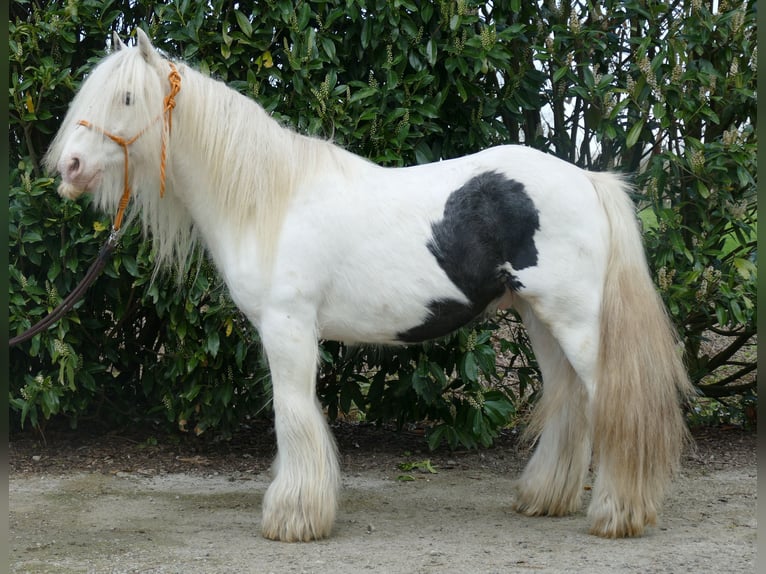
124,72
101,96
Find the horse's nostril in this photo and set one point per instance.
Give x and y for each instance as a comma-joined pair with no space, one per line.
72,167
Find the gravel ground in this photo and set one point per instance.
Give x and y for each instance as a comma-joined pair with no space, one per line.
132,502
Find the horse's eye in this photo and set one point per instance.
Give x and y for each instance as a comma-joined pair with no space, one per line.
128,98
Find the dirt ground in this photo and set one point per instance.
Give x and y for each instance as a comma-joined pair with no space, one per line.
141,502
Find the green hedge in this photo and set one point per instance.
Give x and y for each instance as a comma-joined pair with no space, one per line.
665,95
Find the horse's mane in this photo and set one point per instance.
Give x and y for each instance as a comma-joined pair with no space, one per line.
255,164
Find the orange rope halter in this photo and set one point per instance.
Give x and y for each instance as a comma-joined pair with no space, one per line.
167,113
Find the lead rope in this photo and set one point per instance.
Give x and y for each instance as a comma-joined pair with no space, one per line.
111,243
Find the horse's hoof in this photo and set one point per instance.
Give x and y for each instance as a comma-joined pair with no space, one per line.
534,502
609,529
286,520
620,521
294,531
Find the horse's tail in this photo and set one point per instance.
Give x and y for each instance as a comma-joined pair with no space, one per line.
638,424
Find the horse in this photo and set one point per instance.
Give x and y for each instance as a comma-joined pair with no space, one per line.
314,242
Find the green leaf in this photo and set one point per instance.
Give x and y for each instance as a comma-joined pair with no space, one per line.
469,368
130,265
414,59
244,23
461,89
437,372
366,32
634,134
746,268
436,435
428,110
362,94
431,52
559,74
213,343
486,359
31,237
426,11
226,393
477,424
423,386
328,46
304,15
180,330
744,177
192,393
736,310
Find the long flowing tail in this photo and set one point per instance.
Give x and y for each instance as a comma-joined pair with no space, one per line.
638,425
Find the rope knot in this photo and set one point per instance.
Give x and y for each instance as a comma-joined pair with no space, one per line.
175,86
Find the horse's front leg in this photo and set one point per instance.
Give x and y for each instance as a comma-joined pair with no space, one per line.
301,501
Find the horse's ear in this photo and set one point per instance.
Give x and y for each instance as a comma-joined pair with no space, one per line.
117,43
145,47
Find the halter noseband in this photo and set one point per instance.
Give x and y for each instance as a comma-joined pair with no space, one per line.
167,113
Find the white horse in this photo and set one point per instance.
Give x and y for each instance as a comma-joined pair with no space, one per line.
314,242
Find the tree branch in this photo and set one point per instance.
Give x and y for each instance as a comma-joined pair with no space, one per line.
721,358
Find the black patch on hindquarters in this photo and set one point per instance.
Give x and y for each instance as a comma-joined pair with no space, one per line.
488,222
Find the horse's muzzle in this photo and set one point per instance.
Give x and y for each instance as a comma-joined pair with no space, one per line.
70,191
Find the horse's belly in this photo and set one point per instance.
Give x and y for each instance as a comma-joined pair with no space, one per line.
373,308
407,307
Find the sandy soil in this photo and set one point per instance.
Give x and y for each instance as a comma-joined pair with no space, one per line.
132,502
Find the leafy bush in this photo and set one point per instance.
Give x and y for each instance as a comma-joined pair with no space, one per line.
664,93
130,350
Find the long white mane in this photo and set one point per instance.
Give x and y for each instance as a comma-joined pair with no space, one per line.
253,163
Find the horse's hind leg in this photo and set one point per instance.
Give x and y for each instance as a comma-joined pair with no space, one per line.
552,482
300,503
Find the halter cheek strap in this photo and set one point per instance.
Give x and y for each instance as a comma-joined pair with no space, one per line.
167,114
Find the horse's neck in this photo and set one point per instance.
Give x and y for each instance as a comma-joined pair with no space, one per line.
234,168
